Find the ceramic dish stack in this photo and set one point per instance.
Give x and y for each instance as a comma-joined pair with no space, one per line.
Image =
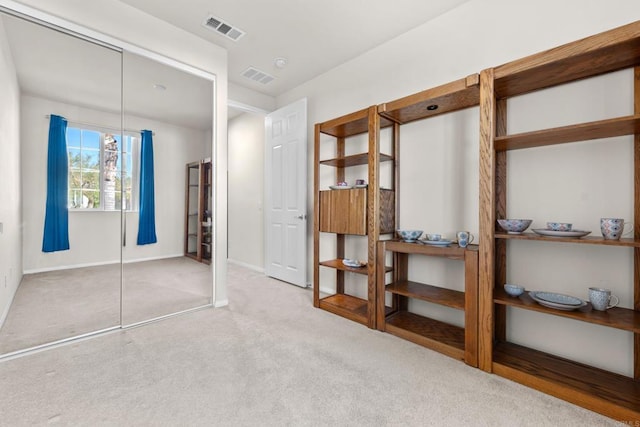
557,301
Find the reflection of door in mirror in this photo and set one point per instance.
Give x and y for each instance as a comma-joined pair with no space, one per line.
176,107
51,296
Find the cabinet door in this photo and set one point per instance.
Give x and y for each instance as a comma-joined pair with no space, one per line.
344,211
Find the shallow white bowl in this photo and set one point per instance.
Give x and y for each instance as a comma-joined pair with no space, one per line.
514,226
513,290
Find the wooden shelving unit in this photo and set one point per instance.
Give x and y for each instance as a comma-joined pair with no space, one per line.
368,212
606,392
457,342
198,236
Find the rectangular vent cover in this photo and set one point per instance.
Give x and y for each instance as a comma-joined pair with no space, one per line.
223,28
256,75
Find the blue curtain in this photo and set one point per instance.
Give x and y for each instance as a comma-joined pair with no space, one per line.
56,219
147,217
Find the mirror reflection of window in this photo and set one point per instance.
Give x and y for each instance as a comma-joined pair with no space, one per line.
102,170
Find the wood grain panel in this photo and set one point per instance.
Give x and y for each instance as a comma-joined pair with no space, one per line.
430,293
442,337
487,220
579,132
587,240
387,211
453,96
343,211
347,306
608,51
617,317
610,394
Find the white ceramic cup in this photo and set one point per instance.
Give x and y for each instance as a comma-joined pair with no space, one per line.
601,299
612,228
464,238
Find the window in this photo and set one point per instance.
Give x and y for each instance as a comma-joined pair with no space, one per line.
102,170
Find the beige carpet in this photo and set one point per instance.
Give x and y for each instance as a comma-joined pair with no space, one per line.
60,304
269,359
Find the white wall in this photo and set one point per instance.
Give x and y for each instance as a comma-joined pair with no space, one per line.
576,182
10,197
246,190
129,25
94,237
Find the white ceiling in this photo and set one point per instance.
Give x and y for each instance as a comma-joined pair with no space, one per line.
314,36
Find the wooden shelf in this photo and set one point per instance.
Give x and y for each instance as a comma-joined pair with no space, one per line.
197,203
608,393
351,124
587,240
368,212
347,306
337,264
602,53
596,389
430,293
460,343
617,317
442,337
454,96
451,252
580,132
354,160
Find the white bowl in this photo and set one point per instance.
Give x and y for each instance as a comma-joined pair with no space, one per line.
513,290
409,235
514,226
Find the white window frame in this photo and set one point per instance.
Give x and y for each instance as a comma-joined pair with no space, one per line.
135,176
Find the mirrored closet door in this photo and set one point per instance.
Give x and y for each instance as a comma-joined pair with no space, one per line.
60,251
96,231
168,208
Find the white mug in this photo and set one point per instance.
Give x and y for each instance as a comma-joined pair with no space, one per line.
612,228
601,299
464,238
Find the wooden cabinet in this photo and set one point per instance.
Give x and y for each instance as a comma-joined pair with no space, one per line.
198,224
367,212
454,341
345,211
606,392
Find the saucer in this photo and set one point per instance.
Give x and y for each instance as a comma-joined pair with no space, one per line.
354,263
553,233
442,242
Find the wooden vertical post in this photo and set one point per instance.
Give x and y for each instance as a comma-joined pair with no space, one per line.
316,217
487,219
373,211
636,221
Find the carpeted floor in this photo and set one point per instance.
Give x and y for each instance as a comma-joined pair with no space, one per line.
60,304
268,359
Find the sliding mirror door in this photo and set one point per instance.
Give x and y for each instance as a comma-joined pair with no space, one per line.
60,234
167,233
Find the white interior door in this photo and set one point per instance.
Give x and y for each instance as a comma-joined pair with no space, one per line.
286,193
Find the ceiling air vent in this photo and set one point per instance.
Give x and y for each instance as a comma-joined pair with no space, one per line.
223,28
256,75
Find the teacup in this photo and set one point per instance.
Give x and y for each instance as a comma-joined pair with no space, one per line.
612,228
464,238
559,226
601,299
434,237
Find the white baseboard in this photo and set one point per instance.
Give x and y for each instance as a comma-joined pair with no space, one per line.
97,264
5,312
223,303
245,265
68,267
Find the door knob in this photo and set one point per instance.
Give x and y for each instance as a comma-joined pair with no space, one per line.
301,217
